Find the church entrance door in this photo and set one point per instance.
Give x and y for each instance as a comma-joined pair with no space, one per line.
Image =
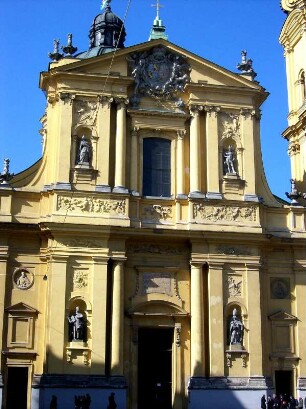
283,382
155,368
17,388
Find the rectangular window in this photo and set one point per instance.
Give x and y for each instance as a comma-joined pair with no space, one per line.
157,167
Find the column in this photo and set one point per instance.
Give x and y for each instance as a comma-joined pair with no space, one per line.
180,165
195,179
103,152
64,119
117,319
197,360
134,162
120,148
249,155
57,335
212,153
216,319
99,302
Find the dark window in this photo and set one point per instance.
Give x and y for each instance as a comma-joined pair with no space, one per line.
156,167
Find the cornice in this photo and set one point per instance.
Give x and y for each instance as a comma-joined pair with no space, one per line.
144,112
58,75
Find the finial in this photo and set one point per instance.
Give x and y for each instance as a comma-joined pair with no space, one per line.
69,49
56,55
105,4
246,65
5,176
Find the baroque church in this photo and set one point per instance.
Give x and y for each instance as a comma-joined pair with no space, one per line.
145,262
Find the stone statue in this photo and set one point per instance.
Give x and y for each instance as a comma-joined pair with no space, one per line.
84,154
236,329
23,281
229,161
77,327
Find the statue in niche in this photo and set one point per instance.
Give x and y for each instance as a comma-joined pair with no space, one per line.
235,329
229,161
84,152
77,326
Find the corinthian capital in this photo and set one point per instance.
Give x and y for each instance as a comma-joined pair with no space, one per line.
105,99
195,109
121,103
212,109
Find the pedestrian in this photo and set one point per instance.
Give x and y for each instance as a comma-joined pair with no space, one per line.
300,404
270,402
263,402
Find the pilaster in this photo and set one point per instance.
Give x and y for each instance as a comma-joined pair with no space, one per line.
103,153
56,328
212,160
120,159
197,347
180,171
247,125
3,278
254,319
64,121
99,299
134,162
195,168
216,327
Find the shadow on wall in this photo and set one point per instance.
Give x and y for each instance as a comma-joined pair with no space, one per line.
75,391
225,393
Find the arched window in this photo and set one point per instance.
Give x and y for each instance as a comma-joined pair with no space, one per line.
156,167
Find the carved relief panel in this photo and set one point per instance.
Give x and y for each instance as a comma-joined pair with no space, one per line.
159,284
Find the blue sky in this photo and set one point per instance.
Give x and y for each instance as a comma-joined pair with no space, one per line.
217,30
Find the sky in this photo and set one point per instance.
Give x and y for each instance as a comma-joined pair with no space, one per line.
217,30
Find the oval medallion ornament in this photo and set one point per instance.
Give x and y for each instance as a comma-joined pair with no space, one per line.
23,279
159,73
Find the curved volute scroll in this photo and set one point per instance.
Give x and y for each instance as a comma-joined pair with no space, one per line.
290,5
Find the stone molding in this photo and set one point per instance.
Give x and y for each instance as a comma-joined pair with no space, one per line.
248,383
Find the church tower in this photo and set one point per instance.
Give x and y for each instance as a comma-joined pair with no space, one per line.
293,39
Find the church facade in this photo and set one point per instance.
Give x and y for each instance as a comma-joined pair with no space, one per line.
145,262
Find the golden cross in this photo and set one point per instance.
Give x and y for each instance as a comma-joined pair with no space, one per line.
158,6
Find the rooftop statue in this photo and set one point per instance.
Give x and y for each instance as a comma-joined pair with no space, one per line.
246,65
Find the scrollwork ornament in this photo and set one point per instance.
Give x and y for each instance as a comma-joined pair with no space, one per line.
290,5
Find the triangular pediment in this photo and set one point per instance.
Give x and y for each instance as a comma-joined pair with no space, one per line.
21,308
203,72
282,316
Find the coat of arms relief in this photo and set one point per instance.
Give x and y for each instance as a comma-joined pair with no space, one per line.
159,74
